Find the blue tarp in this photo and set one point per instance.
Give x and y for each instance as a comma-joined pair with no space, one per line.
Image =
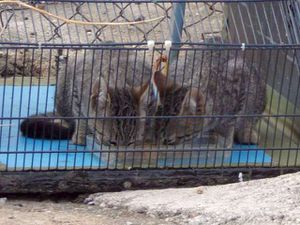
18,152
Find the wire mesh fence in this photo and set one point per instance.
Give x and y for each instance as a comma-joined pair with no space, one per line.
103,99
253,21
24,25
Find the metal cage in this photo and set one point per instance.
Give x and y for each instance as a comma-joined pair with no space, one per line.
233,48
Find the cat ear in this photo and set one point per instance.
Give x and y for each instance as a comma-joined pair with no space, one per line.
193,103
100,96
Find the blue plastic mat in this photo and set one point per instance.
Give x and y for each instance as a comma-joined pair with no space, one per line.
18,152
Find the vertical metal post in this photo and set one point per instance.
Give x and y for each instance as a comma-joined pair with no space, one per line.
177,21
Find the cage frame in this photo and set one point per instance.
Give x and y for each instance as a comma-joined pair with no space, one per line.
82,180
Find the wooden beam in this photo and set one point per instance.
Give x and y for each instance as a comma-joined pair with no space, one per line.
54,182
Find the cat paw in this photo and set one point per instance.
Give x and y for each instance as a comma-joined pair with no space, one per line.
78,140
249,138
254,137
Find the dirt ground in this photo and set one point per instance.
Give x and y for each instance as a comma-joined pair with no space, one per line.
33,212
271,201
267,201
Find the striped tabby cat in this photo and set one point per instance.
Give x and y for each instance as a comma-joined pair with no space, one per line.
231,87
107,84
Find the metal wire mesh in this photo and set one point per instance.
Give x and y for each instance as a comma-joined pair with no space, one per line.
42,58
23,25
200,19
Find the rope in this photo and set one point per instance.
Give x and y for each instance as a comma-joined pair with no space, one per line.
8,2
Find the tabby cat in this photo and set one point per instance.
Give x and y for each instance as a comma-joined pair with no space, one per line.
177,109
105,84
231,86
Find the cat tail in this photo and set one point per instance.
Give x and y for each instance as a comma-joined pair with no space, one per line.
45,126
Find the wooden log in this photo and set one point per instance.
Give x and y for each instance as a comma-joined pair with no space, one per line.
55,182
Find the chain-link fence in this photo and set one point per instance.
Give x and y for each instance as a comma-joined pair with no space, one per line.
24,25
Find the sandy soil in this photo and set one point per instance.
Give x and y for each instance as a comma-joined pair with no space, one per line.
271,201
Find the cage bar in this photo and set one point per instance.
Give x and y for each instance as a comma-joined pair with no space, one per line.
126,113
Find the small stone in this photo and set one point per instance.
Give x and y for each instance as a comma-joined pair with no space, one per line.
168,219
141,210
91,203
129,223
127,184
177,212
160,214
39,210
11,217
19,205
3,201
103,205
281,217
199,190
87,200
109,206
151,215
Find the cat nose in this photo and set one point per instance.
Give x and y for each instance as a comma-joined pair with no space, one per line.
130,143
169,141
113,142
